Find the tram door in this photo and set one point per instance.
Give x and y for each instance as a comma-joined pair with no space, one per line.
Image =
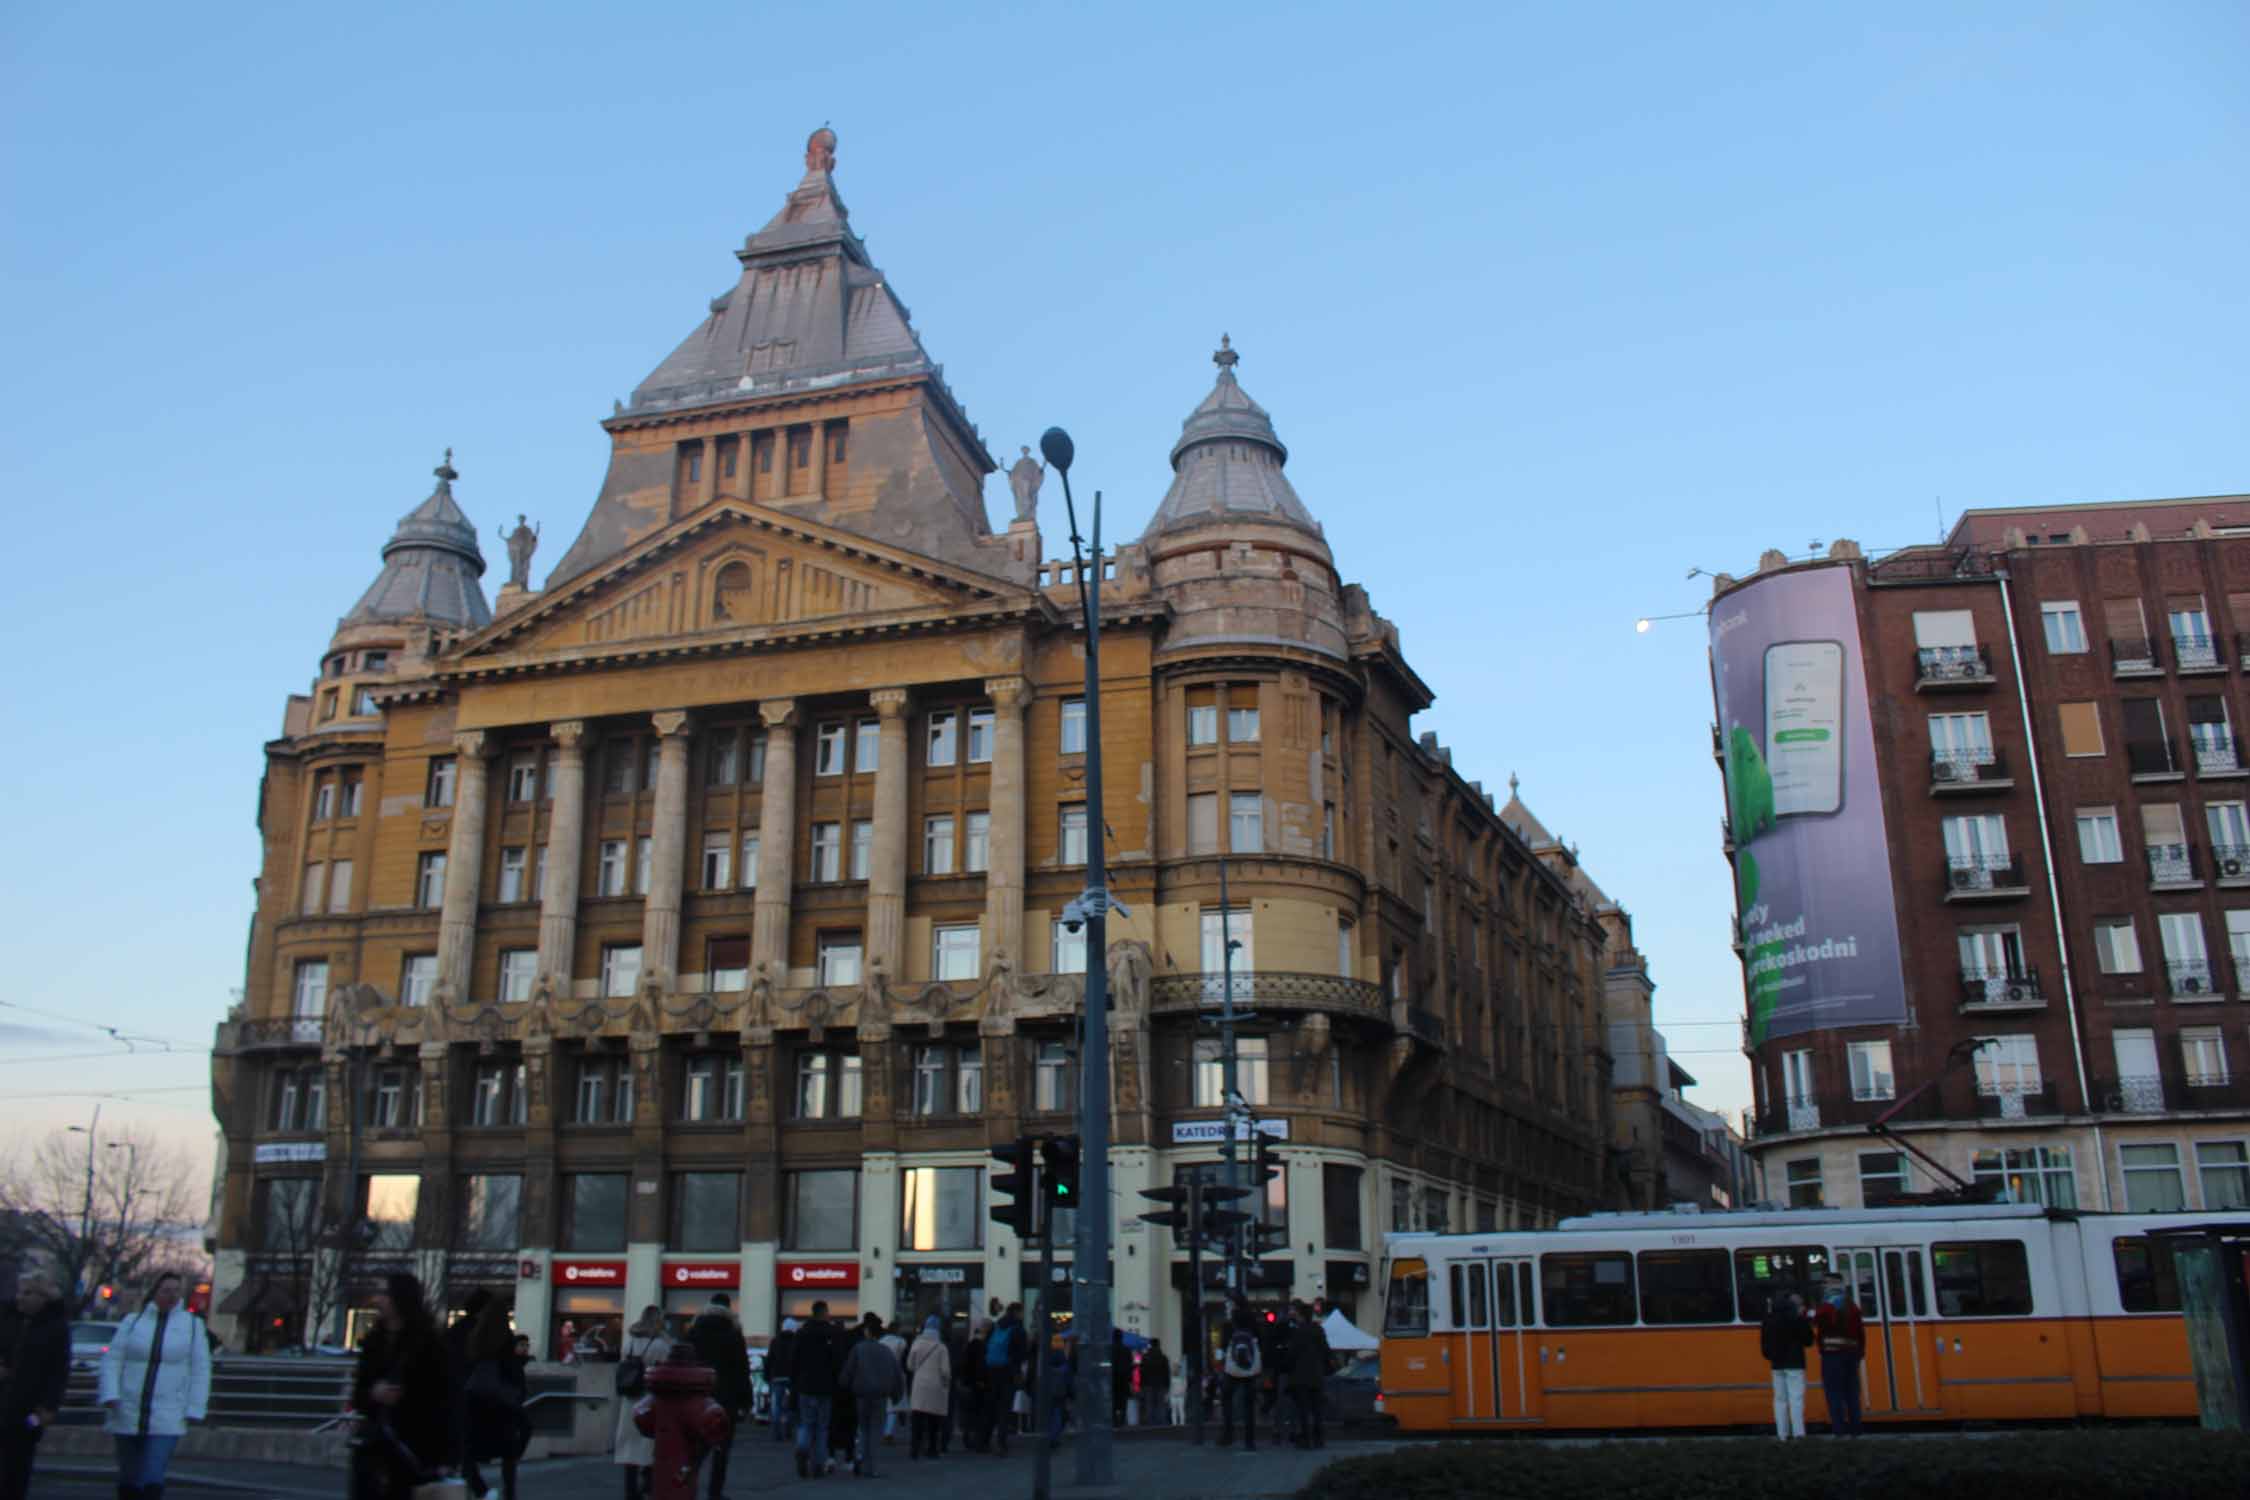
1495,1368
1899,1376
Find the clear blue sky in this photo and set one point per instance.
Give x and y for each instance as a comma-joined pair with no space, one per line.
1551,304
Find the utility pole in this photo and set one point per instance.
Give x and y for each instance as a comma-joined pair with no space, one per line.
92,1132
1042,1449
1090,1301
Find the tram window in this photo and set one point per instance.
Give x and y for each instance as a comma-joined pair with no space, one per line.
2146,1280
1587,1289
1686,1286
1763,1273
1406,1310
1988,1279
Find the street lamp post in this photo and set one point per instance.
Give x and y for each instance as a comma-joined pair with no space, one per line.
1090,1302
92,1132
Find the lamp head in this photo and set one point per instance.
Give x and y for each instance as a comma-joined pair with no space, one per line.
1055,447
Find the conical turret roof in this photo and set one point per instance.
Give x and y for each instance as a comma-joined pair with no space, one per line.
431,566
1228,462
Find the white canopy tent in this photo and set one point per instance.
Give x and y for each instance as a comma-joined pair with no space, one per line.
1344,1336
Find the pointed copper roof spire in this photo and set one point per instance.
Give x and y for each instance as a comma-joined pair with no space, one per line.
1228,461
431,565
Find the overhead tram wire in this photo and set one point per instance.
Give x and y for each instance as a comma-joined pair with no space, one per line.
120,1034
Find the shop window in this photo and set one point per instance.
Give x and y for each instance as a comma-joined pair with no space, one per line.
942,1208
707,1211
387,1202
491,1212
594,1210
820,1210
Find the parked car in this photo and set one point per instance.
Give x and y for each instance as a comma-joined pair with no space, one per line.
1351,1390
88,1343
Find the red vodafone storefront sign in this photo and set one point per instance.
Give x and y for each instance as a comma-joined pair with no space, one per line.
702,1273
587,1272
820,1274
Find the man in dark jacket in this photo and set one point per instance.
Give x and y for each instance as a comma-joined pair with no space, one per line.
812,1383
779,1353
34,1369
1156,1386
1841,1328
1307,1376
1783,1338
718,1343
1007,1348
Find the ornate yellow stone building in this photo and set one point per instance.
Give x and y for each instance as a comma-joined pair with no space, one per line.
691,921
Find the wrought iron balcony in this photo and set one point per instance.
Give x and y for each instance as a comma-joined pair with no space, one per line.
2190,978
284,1031
2218,754
1269,990
2001,989
2196,653
2152,760
1985,877
2133,1094
1940,667
2015,1101
2131,657
1977,770
2172,867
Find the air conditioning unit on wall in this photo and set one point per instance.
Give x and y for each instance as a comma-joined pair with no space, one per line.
2230,867
2192,985
2019,994
1948,771
1964,877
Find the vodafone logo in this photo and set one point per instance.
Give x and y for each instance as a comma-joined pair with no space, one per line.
588,1272
818,1273
570,1273
724,1273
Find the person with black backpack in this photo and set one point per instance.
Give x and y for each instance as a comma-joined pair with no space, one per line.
643,1349
1241,1365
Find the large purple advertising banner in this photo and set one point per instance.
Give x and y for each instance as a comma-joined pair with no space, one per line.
1812,866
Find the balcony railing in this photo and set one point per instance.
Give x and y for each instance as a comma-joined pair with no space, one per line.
1998,1101
284,1031
2152,758
2231,862
2133,1094
2172,865
1268,990
2001,989
2189,978
1983,877
2152,1093
2217,754
1982,769
1951,666
2131,657
2195,653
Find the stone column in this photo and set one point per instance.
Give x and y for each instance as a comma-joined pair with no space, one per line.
660,909
1003,880
464,867
777,842
886,876
566,841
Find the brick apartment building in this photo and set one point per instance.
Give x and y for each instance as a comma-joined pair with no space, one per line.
2057,701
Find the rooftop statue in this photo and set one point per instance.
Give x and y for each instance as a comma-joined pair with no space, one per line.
1024,477
522,542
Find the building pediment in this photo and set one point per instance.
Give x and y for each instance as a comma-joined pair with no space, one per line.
738,573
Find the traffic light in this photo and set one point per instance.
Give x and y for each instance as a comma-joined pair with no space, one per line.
1019,1183
1265,1166
1217,1222
1171,1218
1058,1170
1267,1238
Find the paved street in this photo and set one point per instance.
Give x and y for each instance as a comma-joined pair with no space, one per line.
1145,1466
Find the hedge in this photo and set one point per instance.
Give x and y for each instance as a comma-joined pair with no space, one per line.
2146,1463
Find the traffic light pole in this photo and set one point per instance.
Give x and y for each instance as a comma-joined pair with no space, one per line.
1195,1358
1042,1446
1090,1302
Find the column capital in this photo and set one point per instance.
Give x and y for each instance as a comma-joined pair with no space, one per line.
1010,693
568,733
670,722
779,713
472,743
889,702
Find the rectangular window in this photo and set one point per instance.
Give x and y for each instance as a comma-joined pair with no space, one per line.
2066,630
1054,1079
1803,1179
937,846
724,768
749,869
1069,949
1586,1289
618,759
2147,1280
1797,1076
1340,1209
2116,948
976,845
539,874
1686,1286
954,952
718,861
941,1208
488,1094
316,886
1250,1057
827,851
389,1200
512,871
1242,726
867,745
1871,1070
523,778
1073,843
609,868
2203,1056
828,750
941,738
1246,823
1344,964
429,882
1073,726
980,736
644,863
707,1211
324,800
1203,822
838,958
491,1211
727,964
2098,843
1327,830
2224,1167
2008,1064
1762,1273
931,1068
621,970
417,978
289,1215
1983,1279
2036,1174
1406,1302
594,1205
863,848
519,970
310,1000
822,1210
2152,1178
438,791
968,1080
350,799
2081,728
1203,723
1883,1175
1218,929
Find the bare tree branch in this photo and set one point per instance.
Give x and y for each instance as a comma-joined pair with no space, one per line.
112,1212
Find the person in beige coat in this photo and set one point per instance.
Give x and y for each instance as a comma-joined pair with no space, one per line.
929,1373
645,1342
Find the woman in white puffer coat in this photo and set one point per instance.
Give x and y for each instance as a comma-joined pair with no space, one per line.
156,1378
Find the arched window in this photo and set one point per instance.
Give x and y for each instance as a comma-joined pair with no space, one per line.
731,594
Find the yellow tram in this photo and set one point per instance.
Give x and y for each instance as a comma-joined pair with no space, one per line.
1998,1312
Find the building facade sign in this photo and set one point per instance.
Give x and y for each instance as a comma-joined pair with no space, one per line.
278,1152
801,1274
587,1272
1211,1132
1813,890
702,1273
